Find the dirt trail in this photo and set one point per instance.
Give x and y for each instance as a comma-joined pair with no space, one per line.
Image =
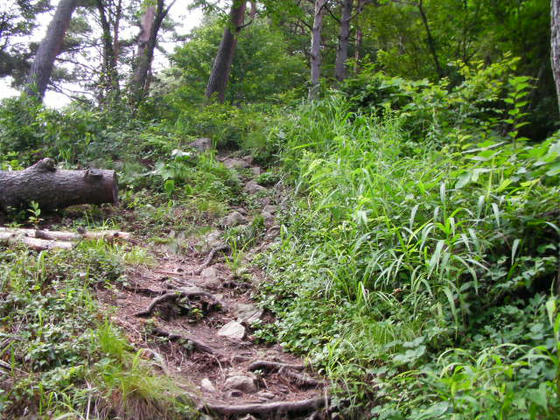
193,317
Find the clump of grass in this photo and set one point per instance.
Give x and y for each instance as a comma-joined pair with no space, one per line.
395,250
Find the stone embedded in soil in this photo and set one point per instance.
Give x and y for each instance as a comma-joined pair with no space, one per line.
247,384
234,394
209,274
234,219
232,163
266,395
247,312
256,170
232,329
213,239
252,187
202,144
206,385
269,208
268,217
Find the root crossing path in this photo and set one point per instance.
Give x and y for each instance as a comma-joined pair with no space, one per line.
194,319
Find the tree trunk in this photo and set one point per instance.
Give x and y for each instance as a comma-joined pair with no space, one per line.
316,47
109,76
359,35
50,47
221,68
430,39
54,188
555,44
147,41
343,39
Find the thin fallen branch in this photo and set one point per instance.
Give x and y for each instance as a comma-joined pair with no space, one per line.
284,407
40,240
209,258
54,235
269,365
34,243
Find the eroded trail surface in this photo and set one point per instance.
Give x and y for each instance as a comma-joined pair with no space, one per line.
193,316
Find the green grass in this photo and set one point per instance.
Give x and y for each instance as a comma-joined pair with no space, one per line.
64,358
396,252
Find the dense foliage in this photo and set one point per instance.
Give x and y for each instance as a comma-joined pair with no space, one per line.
418,260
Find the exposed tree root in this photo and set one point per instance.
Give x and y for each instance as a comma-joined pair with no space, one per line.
144,291
269,365
284,407
301,380
197,345
209,258
187,292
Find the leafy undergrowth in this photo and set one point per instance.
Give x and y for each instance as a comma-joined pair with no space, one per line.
61,356
419,268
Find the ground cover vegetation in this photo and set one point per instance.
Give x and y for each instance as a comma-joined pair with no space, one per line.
417,260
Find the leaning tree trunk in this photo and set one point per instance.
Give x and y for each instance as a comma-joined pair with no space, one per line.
151,23
54,188
316,47
430,39
221,68
343,40
555,44
50,47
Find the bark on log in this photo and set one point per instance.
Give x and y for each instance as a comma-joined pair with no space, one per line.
54,188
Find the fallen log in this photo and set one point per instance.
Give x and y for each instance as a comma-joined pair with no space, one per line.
54,188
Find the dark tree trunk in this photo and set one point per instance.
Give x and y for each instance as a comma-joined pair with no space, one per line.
343,40
315,51
430,39
54,188
555,44
151,23
221,68
50,47
109,76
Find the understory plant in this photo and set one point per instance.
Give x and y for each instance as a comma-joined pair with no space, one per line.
428,244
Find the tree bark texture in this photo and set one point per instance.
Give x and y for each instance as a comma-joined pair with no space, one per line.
54,188
316,47
49,48
151,23
343,40
221,68
555,44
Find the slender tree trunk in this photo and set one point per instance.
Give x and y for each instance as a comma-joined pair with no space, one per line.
316,47
359,35
555,44
221,68
343,40
430,38
50,47
147,41
109,76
